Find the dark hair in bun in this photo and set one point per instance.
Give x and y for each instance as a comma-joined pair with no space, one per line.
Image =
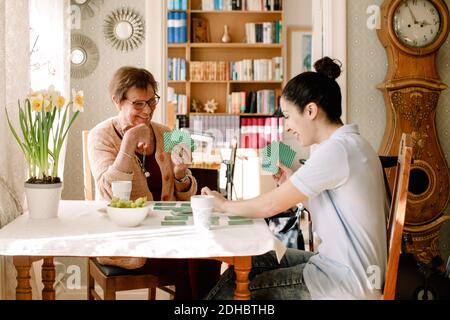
328,68
319,87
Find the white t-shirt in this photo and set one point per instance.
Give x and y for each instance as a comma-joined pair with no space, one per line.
343,180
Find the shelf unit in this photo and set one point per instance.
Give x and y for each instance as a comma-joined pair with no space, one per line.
215,50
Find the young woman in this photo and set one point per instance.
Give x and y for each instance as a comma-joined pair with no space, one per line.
342,182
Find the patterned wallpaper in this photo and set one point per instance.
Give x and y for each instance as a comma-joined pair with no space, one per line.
98,103
367,62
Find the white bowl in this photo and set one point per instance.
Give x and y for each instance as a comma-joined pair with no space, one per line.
127,217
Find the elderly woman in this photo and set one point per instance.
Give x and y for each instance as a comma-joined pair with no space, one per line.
119,145
130,147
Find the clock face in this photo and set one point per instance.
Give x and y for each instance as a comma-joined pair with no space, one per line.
417,23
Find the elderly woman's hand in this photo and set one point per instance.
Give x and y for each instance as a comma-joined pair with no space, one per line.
181,157
138,138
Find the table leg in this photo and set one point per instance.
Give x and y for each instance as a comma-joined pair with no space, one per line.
48,279
242,267
23,289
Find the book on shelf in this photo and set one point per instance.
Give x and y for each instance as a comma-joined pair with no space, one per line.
241,5
208,71
177,4
257,133
264,32
260,102
176,27
176,69
179,101
182,121
257,70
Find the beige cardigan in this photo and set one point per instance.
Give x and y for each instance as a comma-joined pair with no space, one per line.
104,145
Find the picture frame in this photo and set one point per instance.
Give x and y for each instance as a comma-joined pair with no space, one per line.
299,50
200,30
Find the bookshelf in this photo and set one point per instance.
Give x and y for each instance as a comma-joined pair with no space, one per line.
267,59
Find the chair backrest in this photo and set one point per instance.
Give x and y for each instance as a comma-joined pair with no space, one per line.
87,179
397,213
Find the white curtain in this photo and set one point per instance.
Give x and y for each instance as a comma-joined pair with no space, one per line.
50,44
14,83
49,20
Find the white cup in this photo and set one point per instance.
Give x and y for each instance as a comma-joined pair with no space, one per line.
202,210
121,189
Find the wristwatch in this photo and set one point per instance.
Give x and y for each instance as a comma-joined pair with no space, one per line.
182,180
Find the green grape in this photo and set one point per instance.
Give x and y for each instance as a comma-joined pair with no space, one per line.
138,203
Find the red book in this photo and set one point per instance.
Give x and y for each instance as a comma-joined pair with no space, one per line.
254,133
267,131
274,129
261,138
244,133
280,128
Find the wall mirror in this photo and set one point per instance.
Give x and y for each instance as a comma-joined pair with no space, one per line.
124,29
84,56
87,7
78,56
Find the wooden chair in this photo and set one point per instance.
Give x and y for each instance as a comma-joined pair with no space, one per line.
110,278
397,214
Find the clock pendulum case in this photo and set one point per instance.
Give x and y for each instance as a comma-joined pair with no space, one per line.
412,31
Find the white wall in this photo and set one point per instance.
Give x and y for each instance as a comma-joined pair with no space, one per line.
298,12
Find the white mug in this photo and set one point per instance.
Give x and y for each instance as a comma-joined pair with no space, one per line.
202,210
122,189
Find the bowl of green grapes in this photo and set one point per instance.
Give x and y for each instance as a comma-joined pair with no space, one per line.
128,213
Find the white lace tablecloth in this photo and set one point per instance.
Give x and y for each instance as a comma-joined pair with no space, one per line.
83,230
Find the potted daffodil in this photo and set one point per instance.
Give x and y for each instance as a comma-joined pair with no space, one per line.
45,118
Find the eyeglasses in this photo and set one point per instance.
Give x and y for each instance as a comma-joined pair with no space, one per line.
139,105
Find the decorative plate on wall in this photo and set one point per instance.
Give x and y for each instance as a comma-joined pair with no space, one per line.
84,56
124,29
87,7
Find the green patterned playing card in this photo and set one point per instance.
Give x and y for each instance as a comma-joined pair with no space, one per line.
163,208
240,222
173,223
176,137
176,218
215,221
181,211
165,204
274,153
237,218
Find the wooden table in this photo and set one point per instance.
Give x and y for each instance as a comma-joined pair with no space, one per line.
82,231
242,267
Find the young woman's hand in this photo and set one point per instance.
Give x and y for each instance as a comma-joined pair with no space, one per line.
219,200
283,174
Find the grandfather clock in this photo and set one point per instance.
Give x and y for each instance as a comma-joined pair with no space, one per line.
412,32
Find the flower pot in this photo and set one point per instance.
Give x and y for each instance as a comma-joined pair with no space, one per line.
43,200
